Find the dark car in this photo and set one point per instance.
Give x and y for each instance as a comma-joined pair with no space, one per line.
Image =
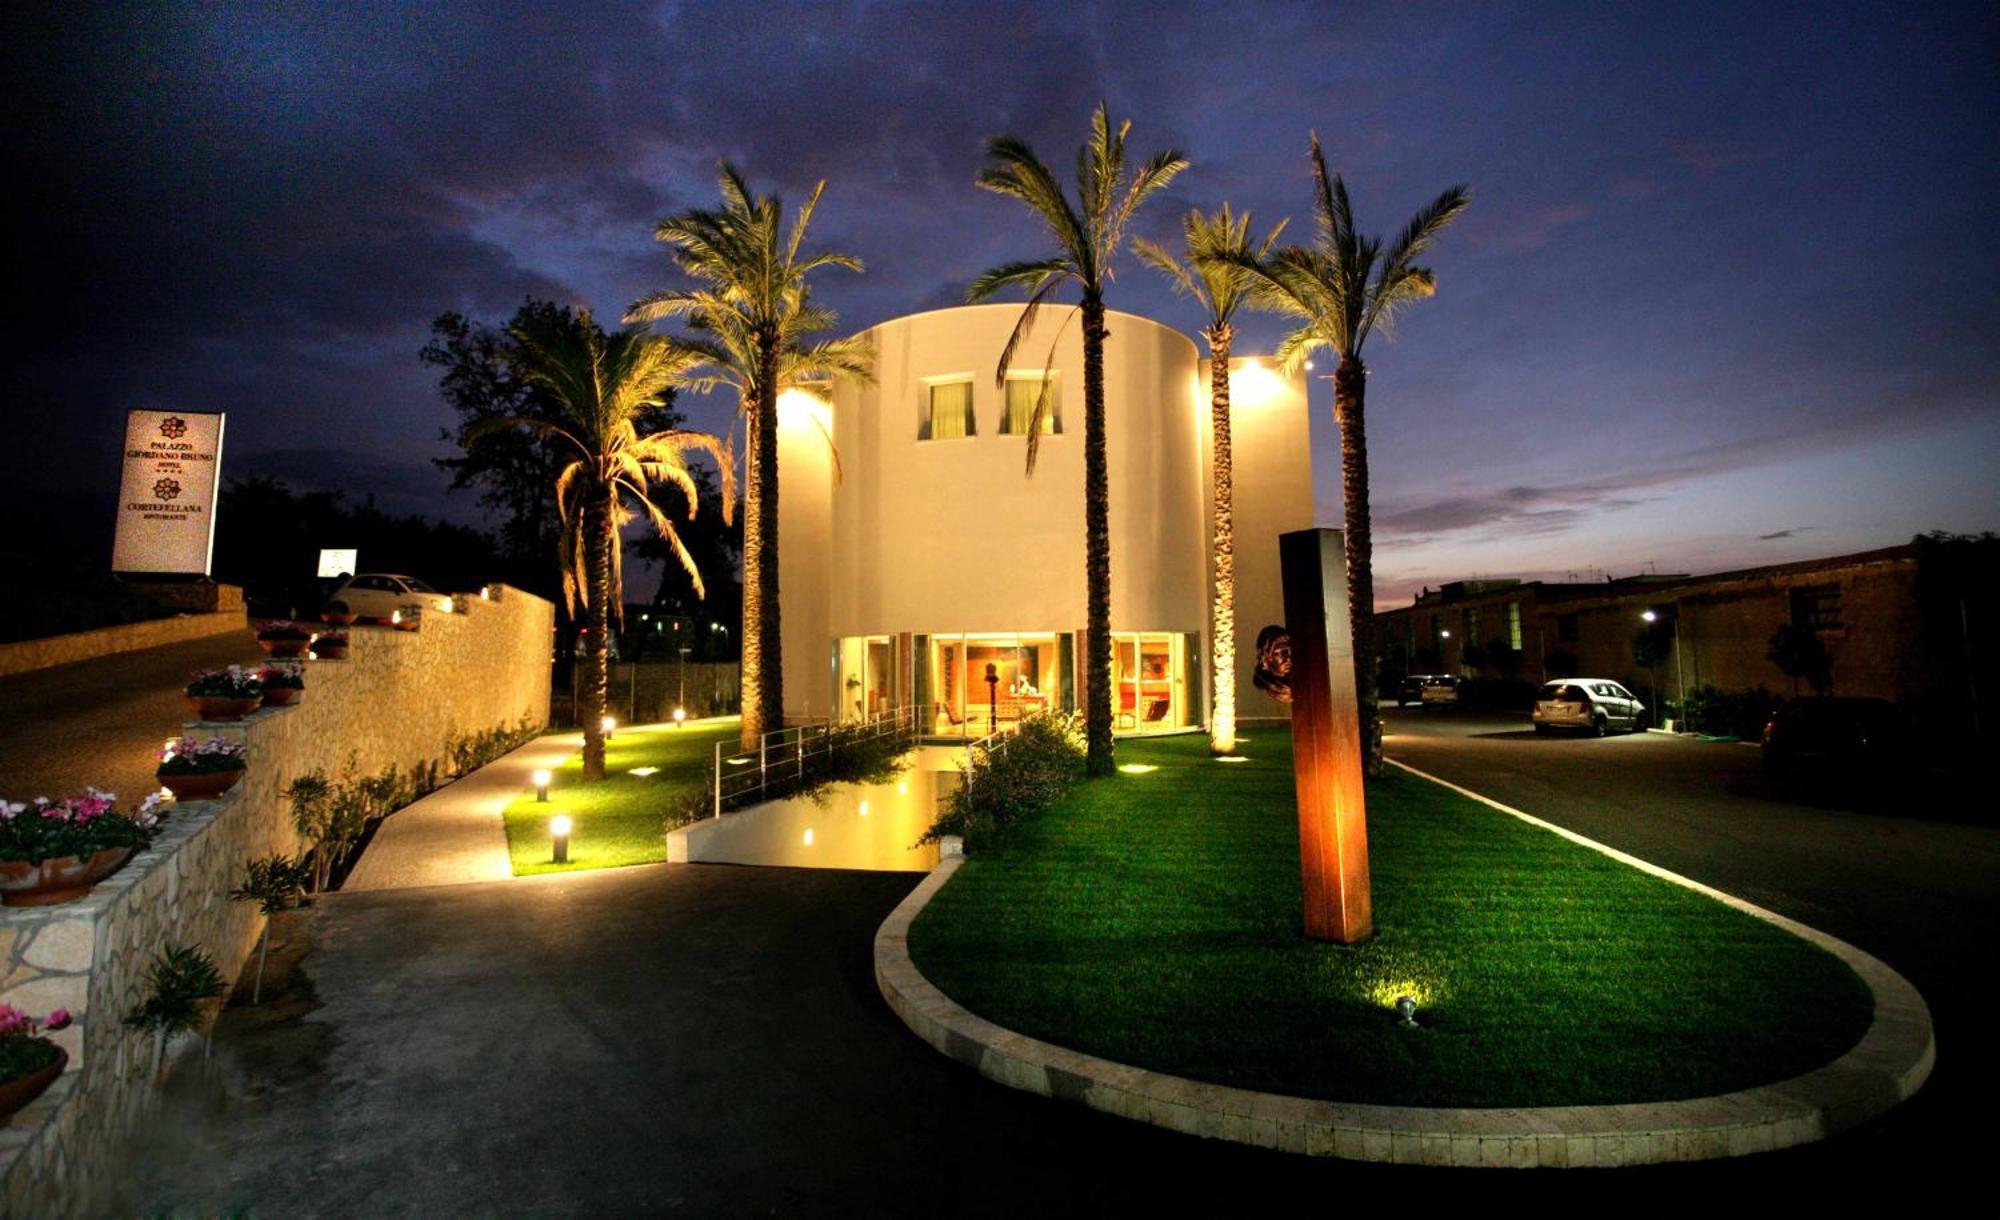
1837,737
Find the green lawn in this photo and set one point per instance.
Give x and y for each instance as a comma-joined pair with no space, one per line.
1153,919
617,820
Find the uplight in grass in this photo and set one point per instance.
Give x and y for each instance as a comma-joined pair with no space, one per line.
643,772
1137,768
1385,992
1231,758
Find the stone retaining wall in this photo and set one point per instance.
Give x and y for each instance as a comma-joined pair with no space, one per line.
26,656
400,699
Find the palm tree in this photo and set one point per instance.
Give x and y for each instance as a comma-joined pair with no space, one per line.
1214,276
599,385
1086,235
753,304
1343,288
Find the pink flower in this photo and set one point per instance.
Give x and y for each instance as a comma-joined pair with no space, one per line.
59,1019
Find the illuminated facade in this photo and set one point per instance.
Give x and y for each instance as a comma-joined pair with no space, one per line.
922,566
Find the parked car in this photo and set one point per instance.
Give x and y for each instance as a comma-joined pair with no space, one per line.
378,595
1428,689
1838,736
1594,705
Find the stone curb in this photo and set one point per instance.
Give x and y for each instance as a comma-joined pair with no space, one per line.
1888,1065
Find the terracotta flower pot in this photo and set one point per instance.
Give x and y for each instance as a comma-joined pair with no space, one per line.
330,652
200,785
211,707
285,648
281,696
21,1090
36,885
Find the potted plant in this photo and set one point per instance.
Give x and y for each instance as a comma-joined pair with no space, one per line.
182,979
284,638
284,682
53,852
29,1062
339,618
331,646
200,769
225,694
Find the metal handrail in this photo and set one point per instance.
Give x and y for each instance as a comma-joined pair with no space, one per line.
782,755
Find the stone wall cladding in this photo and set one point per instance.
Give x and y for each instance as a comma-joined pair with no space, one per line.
28,655
398,699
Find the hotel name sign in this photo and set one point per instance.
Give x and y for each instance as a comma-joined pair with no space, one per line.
166,498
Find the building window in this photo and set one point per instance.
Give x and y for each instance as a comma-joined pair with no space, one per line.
1022,393
950,412
1514,626
1471,627
1817,607
1566,628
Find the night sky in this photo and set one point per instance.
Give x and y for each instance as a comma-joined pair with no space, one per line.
1726,294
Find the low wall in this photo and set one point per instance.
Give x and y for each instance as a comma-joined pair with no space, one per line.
399,699
26,655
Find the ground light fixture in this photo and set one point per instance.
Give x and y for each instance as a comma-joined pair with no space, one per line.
541,786
1137,768
864,809
1231,758
809,836
608,724
1406,1011
559,827
680,716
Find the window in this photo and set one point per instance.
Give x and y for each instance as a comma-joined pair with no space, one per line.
1022,392
1514,626
1817,607
949,414
1471,627
1566,628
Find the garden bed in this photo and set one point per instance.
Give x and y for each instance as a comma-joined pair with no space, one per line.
620,820
1152,919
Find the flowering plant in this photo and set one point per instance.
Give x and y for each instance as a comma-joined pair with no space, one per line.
283,675
284,629
203,756
82,826
23,1050
235,682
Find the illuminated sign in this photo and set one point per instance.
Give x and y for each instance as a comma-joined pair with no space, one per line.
337,563
166,499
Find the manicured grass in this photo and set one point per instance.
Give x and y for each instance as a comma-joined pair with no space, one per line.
617,820
1153,919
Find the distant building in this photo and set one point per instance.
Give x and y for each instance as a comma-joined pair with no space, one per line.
1863,608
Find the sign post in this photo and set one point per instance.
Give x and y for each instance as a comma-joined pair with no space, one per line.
1326,738
166,497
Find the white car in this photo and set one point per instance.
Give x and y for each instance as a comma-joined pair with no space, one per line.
1595,705
378,595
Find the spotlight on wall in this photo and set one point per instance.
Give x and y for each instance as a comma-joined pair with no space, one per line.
864,809
559,829
541,786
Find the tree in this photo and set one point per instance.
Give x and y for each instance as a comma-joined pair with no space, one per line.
1214,277
600,387
1796,650
1343,287
756,322
482,377
1086,235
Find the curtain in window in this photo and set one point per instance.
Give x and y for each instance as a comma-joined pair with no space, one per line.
951,411
1021,395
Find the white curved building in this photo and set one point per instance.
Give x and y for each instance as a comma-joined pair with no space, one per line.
916,552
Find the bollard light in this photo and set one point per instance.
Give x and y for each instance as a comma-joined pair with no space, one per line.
542,786
1406,1010
559,829
680,716
607,724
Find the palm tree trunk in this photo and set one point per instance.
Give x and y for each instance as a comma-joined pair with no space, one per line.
1350,393
1222,609
763,677
597,659
1097,545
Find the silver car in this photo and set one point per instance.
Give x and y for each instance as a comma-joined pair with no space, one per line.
1594,705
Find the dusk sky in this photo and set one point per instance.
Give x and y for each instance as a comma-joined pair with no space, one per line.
1726,294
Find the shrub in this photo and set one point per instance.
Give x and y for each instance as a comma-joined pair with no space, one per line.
180,978
1010,780
1735,713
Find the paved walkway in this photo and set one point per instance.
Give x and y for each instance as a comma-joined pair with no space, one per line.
455,835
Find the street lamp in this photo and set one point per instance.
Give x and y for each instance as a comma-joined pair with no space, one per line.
1680,675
